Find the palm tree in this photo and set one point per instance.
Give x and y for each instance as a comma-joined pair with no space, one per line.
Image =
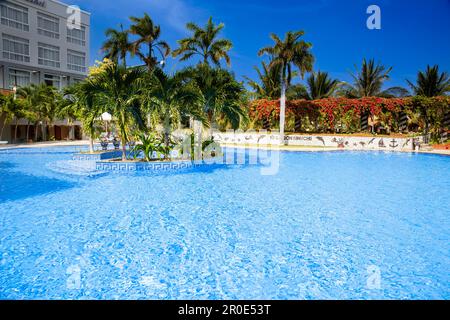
80,103
149,35
222,94
42,101
431,83
11,109
288,53
369,81
118,92
269,85
117,45
320,86
204,43
3,111
169,98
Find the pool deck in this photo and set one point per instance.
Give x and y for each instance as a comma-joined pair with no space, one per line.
265,147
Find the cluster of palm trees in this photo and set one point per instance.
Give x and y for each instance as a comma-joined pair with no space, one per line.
292,56
38,105
144,98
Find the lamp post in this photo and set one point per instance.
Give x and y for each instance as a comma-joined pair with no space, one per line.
106,117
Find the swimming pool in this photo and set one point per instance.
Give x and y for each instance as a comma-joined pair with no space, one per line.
333,225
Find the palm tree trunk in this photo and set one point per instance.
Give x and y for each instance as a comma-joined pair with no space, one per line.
28,131
44,131
124,149
15,131
3,128
282,109
35,131
166,130
91,145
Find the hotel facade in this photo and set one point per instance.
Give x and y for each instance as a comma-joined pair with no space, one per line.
43,41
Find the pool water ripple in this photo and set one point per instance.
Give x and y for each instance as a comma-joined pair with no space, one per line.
309,232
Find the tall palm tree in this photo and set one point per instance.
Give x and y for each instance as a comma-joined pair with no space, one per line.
205,43
117,45
288,53
169,98
222,94
369,81
431,83
148,35
320,86
80,104
118,92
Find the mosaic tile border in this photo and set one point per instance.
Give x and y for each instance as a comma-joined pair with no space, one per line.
145,166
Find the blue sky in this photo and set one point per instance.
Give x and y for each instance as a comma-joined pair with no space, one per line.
414,33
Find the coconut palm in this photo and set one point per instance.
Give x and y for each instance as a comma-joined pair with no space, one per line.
117,91
288,53
222,94
148,35
431,83
41,100
81,103
269,85
369,81
169,98
205,44
12,109
117,45
320,86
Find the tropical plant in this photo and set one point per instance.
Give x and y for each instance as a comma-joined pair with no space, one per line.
148,145
320,85
369,81
168,98
288,53
222,94
117,45
431,83
41,103
118,92
80,103
149,35
12,108
269,85
204,43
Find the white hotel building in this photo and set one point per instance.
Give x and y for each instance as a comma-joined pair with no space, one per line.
38,45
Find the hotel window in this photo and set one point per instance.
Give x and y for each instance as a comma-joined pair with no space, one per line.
52,80
15,48
76,61
48,55
19,78
77,36
14,16
48,25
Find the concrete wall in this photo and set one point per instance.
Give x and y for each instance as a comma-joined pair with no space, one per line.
337,141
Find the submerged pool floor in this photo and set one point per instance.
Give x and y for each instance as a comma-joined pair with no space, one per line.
333,225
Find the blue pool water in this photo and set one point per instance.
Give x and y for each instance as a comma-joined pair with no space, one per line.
334,225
